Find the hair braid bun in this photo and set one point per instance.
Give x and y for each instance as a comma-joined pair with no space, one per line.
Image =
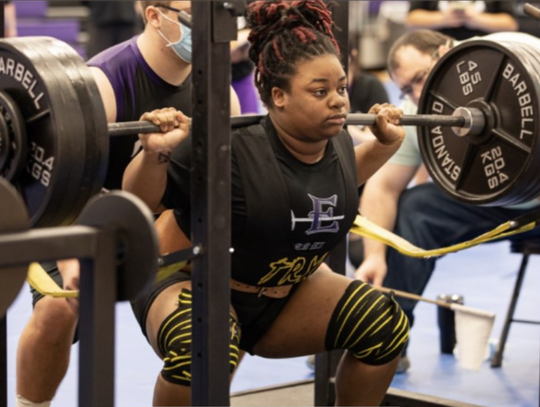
269,18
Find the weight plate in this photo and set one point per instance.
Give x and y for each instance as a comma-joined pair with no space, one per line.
13,219
497,166
5,146
530,185
137,243
68,139
13,148
54,123
95,122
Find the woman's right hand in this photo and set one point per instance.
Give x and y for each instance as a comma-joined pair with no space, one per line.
174,127
387,128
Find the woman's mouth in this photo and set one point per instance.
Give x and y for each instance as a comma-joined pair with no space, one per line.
339,119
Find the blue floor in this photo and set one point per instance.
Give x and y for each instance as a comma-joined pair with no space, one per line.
483,275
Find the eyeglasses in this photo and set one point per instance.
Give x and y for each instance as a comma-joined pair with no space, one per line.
183,16
419,78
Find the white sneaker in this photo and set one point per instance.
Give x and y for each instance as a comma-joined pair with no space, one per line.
403,365
310,362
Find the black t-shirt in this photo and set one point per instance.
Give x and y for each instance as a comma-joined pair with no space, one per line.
462,33
365,91
286,215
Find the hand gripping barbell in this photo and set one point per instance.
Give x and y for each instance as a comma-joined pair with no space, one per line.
54,136
464,121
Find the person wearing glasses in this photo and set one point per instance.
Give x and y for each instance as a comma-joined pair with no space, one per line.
148,72
462,19
422,214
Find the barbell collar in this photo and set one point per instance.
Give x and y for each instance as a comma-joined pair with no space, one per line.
475,122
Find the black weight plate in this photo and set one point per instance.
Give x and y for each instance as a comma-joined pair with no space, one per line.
5,146
138,249
67,139
54,124
492,168
95,121
520,117
530,185
13,219
15,156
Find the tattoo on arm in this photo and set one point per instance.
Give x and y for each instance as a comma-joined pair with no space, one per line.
164,158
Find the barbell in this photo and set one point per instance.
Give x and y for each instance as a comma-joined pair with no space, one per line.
54,136
463,121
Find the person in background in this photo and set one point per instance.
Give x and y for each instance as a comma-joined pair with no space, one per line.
462,19
422,214
365,89
109,24
243,75
10,19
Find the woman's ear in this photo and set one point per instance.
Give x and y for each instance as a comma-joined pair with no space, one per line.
279,97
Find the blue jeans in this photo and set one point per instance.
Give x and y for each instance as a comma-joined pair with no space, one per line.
430,219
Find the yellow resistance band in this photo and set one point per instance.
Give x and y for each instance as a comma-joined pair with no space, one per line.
366,228
39,279
43,283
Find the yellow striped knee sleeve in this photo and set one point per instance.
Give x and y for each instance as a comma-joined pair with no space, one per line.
369,324
174,340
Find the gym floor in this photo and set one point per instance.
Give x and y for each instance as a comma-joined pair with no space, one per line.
483,275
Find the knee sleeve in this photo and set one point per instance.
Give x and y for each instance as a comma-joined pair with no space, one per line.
367,323
174,341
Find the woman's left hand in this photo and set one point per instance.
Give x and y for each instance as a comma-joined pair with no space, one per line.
387,128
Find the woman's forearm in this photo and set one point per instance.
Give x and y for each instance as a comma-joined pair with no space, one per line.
146,177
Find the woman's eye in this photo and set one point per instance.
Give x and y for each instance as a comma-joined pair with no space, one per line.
320,92
343,90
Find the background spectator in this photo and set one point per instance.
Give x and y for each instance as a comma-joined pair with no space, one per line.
110,23
10,20
462,19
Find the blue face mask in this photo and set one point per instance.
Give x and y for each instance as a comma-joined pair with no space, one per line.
182,47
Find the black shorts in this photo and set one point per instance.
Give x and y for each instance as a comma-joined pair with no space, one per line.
52,270
255,314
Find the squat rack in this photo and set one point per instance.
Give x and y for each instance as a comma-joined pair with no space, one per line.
214,26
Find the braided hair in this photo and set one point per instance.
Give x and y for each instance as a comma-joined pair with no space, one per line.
284,33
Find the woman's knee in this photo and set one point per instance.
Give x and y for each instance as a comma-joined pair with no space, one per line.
174,339
369,324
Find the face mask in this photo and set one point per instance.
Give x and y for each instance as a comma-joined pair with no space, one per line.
182,47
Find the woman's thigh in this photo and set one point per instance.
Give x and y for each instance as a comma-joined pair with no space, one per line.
164,305
301,327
